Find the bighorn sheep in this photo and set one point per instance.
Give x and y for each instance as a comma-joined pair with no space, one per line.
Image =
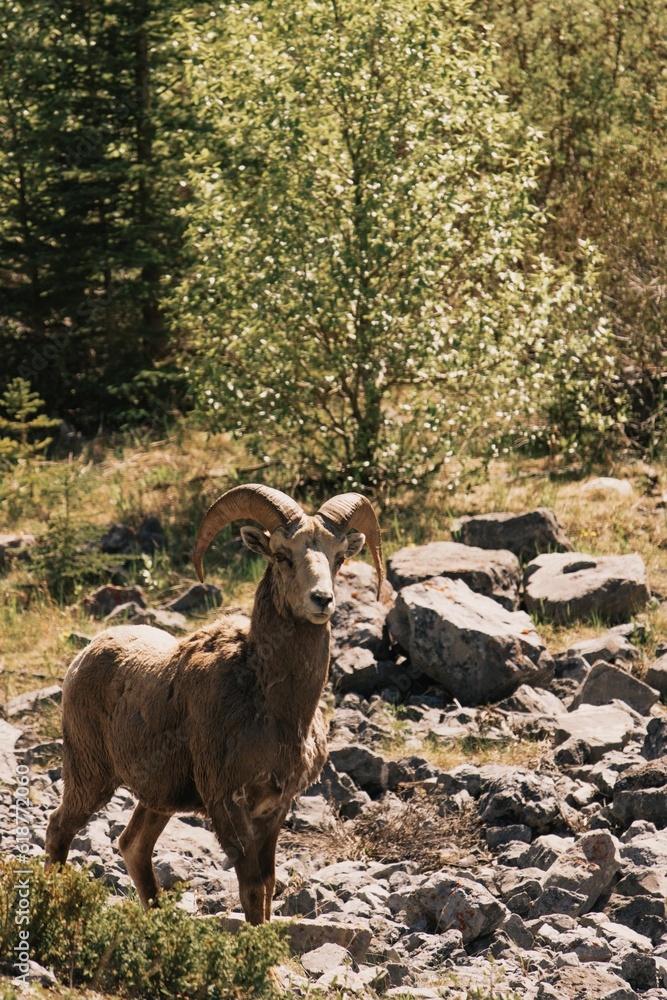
224,722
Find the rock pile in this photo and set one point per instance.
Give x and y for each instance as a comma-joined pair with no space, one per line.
397,874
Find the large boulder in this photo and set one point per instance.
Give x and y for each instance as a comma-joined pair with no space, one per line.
600,728
526,535
359,618
656,675
605,683
586,869
655,741
564,587
468,643
495,574
368,769
449,901
612,647
641,793
521,796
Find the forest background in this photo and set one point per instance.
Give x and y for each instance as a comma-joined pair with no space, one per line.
363,238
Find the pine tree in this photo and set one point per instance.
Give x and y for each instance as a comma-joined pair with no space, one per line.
23,422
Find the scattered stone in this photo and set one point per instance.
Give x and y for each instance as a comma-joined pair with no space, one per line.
355,669
198,597
565,587
585,982
584,870
368,769
105,599
328,956
495,574
306,935
601,728
655,741
641,793
477,650
8,738
522,796
133,614
656,675
526,535
311,812
341,791
150,535
450,902
14,545
32,700
604,683
612,647
535,701
38,974
603,487
498,836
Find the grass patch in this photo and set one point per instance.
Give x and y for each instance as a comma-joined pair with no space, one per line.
478,750
122,950
429,830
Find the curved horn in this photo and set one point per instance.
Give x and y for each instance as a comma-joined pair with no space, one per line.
352,510
269,507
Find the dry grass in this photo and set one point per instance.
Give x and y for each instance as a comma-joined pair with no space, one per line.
428,830
175,479
475,750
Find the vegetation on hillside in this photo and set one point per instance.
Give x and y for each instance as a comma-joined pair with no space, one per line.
362,237
118,948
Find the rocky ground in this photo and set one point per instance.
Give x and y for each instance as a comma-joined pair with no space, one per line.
542,874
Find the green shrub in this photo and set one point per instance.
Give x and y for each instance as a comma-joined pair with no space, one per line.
121,949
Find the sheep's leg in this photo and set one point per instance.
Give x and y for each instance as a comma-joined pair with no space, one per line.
71,816
251,886
234,829
136,844
267,864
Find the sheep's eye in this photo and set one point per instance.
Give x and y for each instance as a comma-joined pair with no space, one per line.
281,557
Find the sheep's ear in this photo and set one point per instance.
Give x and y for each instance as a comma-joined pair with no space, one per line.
256,540
355,543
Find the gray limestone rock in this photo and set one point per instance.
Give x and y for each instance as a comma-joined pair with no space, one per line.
641,793
655,741
468,643
600,727
368,769
586,869
105,599
450,902
33,699
526,535
198,597
132,613
523,797
494,574
564,587
656,675
9,736
359,618
612,647
604,683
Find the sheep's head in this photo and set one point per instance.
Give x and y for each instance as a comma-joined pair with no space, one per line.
306,552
